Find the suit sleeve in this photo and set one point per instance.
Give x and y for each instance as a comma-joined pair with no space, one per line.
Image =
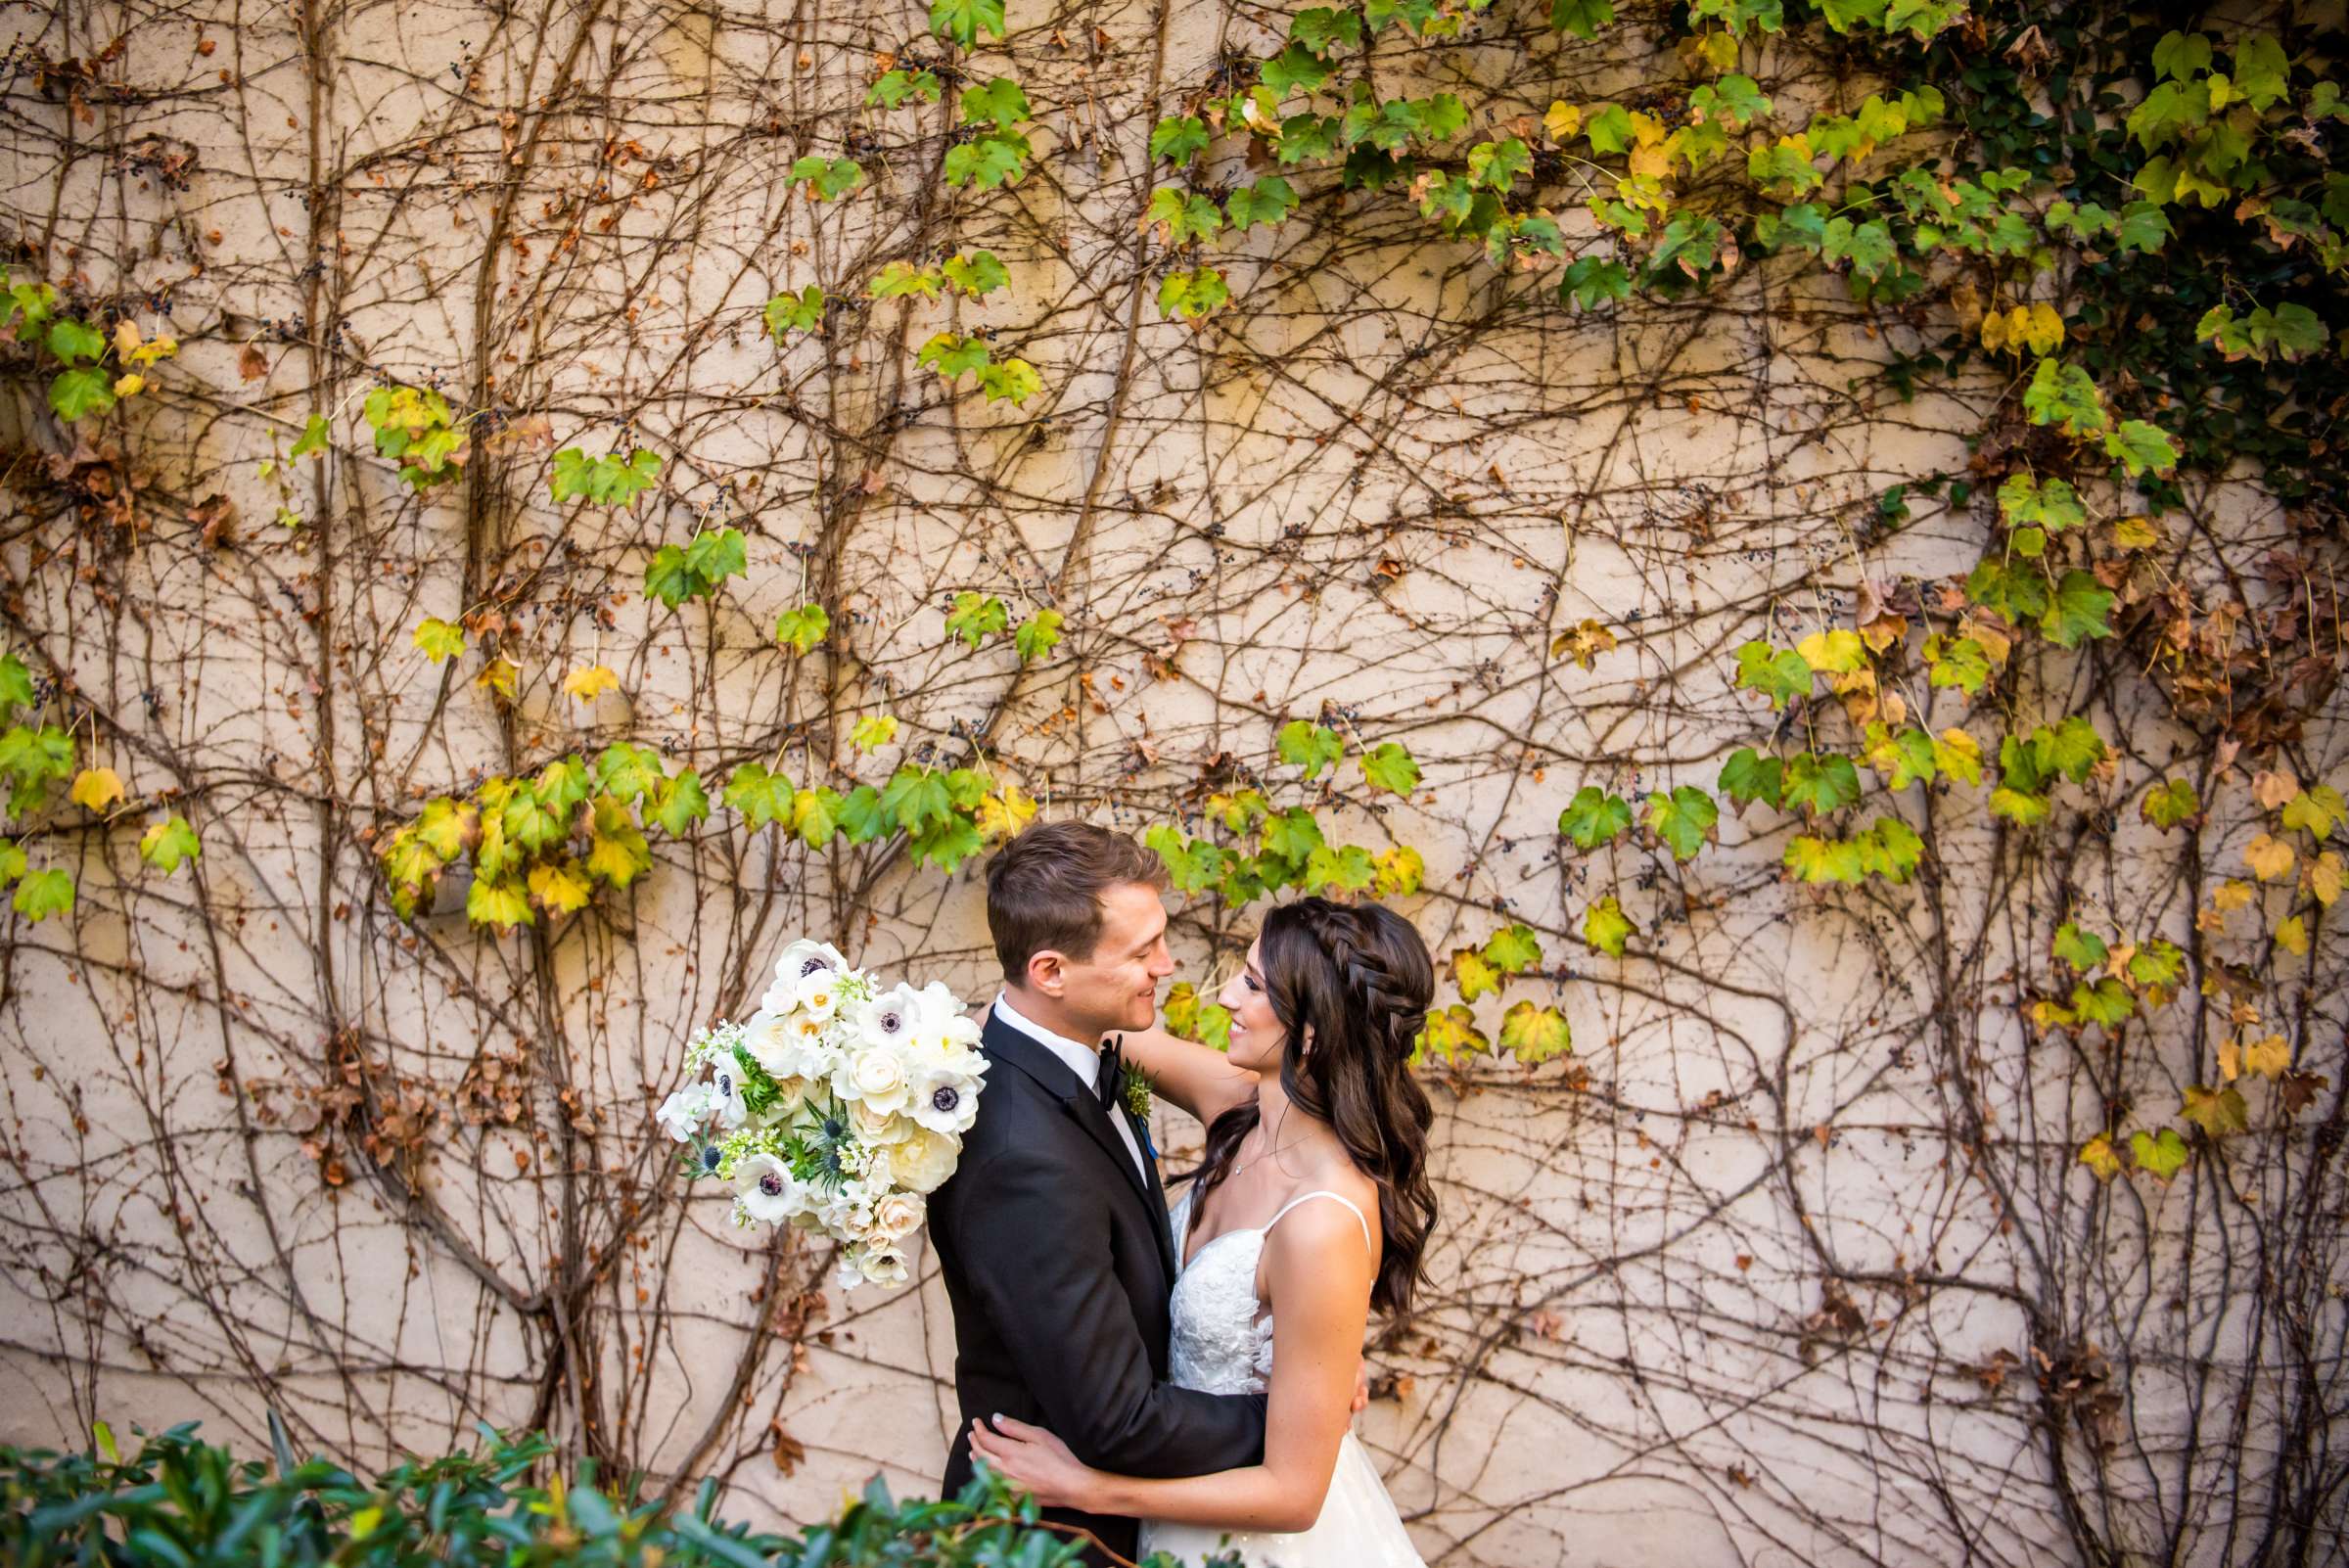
1035,1251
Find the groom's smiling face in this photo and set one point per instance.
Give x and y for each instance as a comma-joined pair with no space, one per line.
1116,985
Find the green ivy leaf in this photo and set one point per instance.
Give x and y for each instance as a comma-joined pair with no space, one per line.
1581,18
2083,950
1819,783
72,340
827,178
917,800
1390,768
976,616
1780,675
1513,949
802,629
609,480
1179,140
1001,103
679,804
2162,1156
759,796
1037,635
861,816
1749,777
1606,927
1312,747
1684,819
1535,1035
803,311
81,393
15,682
2217,1112
169,845
43,894
1596,816
2142,447
1347,868
2078,611
1267,203
2170,803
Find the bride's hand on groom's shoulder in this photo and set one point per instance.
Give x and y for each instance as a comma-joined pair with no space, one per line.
1036,1462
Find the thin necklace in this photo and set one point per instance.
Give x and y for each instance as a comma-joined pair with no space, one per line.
1259,1159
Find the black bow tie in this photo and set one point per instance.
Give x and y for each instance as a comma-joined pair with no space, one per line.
1112,1067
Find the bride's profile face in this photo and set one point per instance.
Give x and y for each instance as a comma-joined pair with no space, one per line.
1255,1032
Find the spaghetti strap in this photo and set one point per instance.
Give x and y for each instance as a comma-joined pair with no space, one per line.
1335,1197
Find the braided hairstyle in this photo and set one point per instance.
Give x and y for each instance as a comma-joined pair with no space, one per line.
1358,977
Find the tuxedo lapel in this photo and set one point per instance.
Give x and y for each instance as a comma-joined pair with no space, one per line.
1007,1045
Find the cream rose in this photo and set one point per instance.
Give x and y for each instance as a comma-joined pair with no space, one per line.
876,1126
924,1161
898,1215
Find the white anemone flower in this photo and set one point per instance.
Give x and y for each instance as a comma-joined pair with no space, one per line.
681,1114
889,1017
725,1096
943,1097
884,1265
762,1188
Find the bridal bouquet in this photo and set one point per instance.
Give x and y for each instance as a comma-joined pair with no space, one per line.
839,1107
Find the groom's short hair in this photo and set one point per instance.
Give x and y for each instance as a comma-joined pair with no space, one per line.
1044,888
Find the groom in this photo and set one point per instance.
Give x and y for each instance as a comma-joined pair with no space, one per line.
1052,1234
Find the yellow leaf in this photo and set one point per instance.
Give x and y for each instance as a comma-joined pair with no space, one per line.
588,684
1994,331
2292,935
1646,129
2268,857
2231,897
1563,122
1839,652
2134,534
501,676
161,348
1649,161
2325,878
97,788
2231,1061
2270,1058
129,385
2098,1155
126,338
1001,816
561,889
2042,328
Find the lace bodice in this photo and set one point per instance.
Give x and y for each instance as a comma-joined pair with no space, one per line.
1221,1341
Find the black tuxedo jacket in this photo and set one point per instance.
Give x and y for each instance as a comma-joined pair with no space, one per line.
1058,1264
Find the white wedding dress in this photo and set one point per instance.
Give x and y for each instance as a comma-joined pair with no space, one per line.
1222,1346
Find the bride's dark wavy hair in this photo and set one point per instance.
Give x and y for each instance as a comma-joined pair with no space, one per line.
1361,979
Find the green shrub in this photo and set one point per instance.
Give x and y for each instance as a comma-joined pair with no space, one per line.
180,1503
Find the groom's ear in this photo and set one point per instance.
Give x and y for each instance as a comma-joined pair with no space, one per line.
1048,972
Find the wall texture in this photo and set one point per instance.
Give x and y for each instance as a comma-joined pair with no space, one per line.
1791,1260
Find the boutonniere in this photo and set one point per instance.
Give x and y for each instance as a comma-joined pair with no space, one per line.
1134,1093
1135,1090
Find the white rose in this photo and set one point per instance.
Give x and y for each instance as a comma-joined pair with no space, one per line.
898,1215
875,1077
885,1266
924,1161
773,1042
680,1115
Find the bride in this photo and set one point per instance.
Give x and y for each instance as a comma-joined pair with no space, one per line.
1311,1208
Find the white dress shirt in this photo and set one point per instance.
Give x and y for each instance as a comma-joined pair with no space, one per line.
1082,1061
